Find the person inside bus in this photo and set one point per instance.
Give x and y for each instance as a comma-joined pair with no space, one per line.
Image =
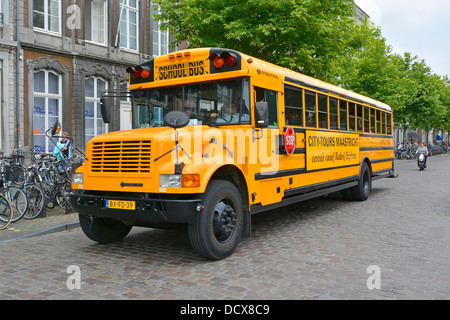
230,114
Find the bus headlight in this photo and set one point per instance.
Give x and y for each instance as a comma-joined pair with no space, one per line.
178,180
170,181
77,178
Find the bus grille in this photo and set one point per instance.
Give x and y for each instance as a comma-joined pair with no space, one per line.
121,156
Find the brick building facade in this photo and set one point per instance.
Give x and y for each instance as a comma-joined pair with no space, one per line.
71,51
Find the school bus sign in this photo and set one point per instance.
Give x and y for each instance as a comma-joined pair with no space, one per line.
330,149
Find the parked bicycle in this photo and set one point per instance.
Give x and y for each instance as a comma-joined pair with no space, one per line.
15,195
408,153
6,212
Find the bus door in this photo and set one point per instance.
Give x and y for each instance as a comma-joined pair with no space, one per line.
268,155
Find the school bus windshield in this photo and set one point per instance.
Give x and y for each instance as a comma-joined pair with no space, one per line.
218,103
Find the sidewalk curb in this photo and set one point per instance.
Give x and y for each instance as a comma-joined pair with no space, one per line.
44,231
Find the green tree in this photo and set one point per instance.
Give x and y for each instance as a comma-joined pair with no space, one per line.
302,35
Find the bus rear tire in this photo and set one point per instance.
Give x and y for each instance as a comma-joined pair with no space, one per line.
217,230
103,230
361,191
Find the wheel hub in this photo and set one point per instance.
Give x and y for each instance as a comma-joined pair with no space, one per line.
224,222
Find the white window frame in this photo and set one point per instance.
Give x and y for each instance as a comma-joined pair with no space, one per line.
95,100
105,23
46,95
125,10
159,36
46,15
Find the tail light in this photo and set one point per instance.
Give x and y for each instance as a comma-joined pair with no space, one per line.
144,72
139,72
230,59
218,62
224,58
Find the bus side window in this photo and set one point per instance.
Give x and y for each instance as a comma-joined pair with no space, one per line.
383,122
366,119
372,121
310,109
389,123
323,111
342,115
334,123
271,98
378,121
359,118
351,116
293,103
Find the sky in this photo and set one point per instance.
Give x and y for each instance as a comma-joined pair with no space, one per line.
421,27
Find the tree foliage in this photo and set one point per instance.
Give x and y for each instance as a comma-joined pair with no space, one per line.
319,38
303,35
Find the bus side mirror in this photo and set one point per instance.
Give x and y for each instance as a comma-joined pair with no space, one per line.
261,115
105,108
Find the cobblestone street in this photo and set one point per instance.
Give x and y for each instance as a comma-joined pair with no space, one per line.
319,249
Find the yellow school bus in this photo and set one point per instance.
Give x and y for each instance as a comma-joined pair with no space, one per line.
219,136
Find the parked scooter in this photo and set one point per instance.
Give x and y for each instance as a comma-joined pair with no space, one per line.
421,161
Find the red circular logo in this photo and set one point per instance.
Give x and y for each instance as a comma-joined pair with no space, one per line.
289,140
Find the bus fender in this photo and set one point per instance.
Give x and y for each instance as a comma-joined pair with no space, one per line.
365,160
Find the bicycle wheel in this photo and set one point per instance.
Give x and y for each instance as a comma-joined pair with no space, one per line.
19,201
36,201
6,212
62,198
50,179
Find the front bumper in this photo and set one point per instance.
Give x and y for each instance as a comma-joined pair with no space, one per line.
147,209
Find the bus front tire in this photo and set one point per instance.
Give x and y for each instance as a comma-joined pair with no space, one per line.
103,230
217,230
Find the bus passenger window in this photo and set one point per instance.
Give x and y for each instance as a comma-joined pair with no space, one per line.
334,124
310,109
378,121
342,115
351,116
383,123
389,123
366,119
372,121
293,101
359,118
323,111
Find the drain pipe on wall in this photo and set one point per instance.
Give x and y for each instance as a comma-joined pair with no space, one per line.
19,144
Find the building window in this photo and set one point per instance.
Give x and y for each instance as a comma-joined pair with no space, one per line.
129,24
47,15
97,21
46,108
160,37
93,122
